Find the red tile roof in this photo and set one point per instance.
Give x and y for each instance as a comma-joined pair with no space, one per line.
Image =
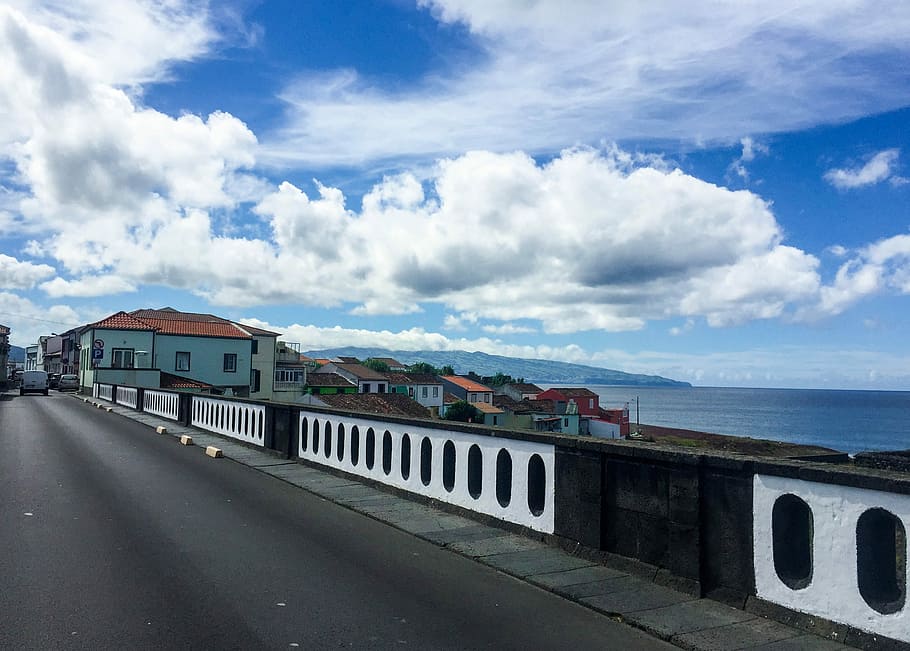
327,380
465,383
411,378
377,403
258,332
121,321
574,392
197,328
170,322
169,381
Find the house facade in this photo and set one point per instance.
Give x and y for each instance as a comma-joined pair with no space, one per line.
467,389
136,348
587,401
366,379
424,388
521,391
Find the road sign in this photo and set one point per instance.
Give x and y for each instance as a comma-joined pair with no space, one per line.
98,343
97,353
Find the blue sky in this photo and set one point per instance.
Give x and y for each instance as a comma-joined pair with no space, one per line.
716,193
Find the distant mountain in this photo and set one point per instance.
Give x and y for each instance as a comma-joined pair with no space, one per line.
16,354
532,370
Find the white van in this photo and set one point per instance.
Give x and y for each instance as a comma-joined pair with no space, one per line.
33,382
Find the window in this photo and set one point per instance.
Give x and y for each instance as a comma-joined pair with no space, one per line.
565,422
366,387
473,397
230,362
255,381
486,397
183,361
380,387
590,403
288,375
255,349
411,392
423,392
435,392
122,358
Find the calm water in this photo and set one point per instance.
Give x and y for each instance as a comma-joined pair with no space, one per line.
850,421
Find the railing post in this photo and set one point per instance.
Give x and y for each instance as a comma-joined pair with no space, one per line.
140,398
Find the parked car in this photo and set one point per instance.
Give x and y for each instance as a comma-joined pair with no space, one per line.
33,382
68,383
52,380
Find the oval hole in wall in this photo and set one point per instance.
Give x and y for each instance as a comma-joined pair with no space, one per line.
537,482
504,478
881,560
475,471
405,457
304,433
339,443
448,466
371,448
355,446
387,452
426,461
315,436
327,440
792,531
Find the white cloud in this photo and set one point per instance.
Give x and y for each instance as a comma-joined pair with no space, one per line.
877,169
543,78
875,268
507,329
751,148
27,320
15,274
87,286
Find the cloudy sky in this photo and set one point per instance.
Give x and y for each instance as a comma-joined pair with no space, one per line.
715,192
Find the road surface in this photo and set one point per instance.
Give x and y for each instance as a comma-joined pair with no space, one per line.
114,537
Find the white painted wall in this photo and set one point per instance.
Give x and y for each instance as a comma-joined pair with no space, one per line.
521,452
834,591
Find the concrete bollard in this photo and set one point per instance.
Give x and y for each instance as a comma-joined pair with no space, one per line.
108,409
186,440
213,452
161,429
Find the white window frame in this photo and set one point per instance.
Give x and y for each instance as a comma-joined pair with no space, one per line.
177,365
230,368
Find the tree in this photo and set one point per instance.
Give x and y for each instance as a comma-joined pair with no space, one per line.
377,365
464,412
423,367
446,370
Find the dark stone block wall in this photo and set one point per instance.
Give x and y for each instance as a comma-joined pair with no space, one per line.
651,513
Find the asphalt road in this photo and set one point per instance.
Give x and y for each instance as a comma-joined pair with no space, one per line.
114,537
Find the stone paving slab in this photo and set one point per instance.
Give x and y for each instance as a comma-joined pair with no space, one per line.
626,583
805,642
535,561
464,534
432,525
576,576
644,596
687,617
499,545
744,635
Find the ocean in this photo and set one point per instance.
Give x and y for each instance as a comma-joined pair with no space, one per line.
849,421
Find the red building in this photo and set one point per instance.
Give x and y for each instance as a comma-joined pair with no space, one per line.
588,402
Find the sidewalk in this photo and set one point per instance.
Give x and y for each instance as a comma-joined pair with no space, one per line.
676,617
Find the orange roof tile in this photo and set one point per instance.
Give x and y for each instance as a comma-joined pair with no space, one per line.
122,321
198,328
465,383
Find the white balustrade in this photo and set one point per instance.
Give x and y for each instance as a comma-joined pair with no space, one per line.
833,551
128,396
508,479
103,392
161,403
239,420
